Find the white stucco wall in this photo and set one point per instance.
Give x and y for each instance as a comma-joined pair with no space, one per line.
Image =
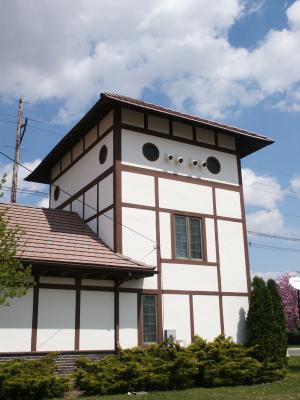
16,323
143,283
210,240
90,202
93,225
235,311
97,282
106,228
85,170
185,196
56,320
176,315
106,190
165,235
132,154
136,246
189,277
131,117
228,203
96,320
77,206
138,189
128,324
206,317
232,256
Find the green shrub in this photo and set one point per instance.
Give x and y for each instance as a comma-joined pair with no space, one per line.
168,366
265,322
31,380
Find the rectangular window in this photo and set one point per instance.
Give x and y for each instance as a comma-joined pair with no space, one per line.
188,237
149,318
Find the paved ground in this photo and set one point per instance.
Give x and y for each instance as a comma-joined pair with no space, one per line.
294,351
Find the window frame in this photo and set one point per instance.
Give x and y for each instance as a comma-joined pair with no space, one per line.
141,318
202,238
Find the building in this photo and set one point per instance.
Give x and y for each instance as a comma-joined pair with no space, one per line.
159,247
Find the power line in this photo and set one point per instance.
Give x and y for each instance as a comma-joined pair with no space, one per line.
289,238
267,247
78,199
26,191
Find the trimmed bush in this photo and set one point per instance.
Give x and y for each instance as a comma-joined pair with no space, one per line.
265,322
31,380
168,366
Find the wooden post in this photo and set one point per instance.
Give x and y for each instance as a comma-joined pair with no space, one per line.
17,153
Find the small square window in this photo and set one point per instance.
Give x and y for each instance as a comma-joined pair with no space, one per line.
188,237
149,318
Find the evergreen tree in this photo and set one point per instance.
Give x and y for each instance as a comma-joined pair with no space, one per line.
279,327
265,322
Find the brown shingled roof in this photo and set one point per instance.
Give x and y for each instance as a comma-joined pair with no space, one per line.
56,237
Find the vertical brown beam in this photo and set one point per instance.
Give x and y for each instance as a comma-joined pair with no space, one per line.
35,311
77,313
158,259
246,250
117,181
117,316
218,261
139,318
192,317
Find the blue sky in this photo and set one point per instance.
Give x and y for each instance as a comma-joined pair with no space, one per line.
235,61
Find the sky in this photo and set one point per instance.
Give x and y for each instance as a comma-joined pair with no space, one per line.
233,61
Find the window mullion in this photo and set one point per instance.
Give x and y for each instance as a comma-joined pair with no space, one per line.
188,236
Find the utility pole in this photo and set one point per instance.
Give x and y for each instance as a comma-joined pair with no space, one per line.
17,153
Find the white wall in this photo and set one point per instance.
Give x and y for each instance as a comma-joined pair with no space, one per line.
106,228
132,154
228,203
176,315
16,323
56,320
77,206
128,324
143,283
106,197
232,256
138,189
93,225
90,202
83,171
165,235
185,196
189,277
97,282
206,317
96,320
235,311
136,246
210,240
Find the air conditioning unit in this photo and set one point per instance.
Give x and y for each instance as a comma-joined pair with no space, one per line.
170,333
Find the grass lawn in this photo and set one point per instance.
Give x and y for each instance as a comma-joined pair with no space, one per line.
288,388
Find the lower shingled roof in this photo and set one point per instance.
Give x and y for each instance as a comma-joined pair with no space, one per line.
62,238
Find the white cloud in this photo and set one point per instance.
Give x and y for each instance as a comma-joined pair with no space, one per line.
126,46
22,184
261,191
44,203
266,221
295,185
267,275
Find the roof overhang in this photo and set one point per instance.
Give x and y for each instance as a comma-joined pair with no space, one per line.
247,142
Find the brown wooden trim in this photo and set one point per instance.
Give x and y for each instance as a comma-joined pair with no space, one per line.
205,293
108,208
117,316
117,194
35,312
246,249
187,261
159,307
93,288
97,199
99,178
77,313
85,151
218,263
180,178
176,138
192,317
139,319
180,212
